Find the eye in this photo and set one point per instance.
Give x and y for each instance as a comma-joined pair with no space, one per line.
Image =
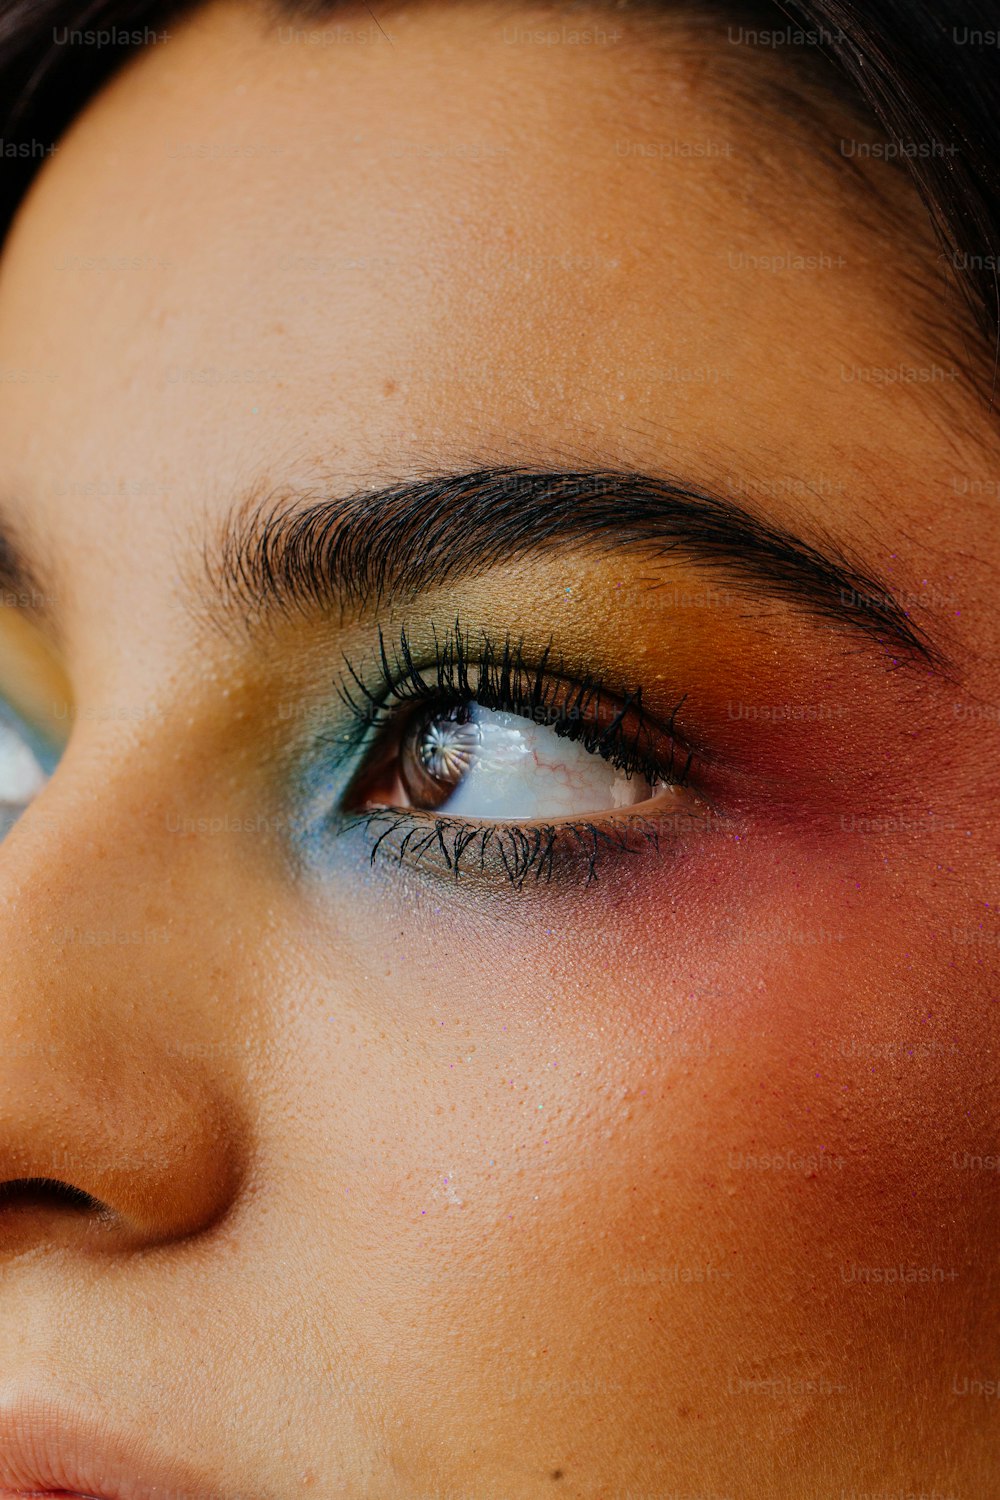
21,773
502,766
470,761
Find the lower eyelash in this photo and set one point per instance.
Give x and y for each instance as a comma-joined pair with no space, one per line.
523,853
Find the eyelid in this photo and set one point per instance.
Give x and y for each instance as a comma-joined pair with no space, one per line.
511,674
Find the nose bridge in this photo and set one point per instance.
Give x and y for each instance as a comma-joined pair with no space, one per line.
106,981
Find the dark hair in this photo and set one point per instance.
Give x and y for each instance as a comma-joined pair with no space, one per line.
929,70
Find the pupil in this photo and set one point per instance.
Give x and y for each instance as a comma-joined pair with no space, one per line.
448,743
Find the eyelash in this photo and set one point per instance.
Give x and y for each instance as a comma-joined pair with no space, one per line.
500,677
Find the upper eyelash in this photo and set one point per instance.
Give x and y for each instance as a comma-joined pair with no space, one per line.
503,679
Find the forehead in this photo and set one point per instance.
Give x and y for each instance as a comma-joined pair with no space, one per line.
270,248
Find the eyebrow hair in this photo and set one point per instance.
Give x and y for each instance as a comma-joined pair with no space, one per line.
376,547
19,584
12,570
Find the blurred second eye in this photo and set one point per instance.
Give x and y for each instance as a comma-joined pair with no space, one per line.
21,774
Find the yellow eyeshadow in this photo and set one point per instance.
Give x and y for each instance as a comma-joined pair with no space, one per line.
32,680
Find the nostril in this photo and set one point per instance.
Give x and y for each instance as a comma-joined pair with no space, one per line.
47,1192
155,1155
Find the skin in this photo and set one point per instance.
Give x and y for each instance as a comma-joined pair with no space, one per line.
425,1189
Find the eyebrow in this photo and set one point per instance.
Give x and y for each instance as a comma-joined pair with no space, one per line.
376,547
20,586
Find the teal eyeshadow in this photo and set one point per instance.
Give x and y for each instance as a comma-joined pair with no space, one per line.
45,752
326,766
42,748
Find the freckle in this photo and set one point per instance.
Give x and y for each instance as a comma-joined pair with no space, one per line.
556,1474
389,387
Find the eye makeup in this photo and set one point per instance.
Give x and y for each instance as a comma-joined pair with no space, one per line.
711,723
466,666
27,760
396,693
31,732
34,686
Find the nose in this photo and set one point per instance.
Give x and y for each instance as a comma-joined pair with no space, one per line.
120,1108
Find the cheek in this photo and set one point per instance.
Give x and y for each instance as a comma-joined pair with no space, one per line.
524,1042
650,1118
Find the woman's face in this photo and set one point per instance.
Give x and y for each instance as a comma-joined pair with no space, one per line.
587,1155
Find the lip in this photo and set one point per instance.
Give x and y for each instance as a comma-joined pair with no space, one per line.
47,1450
